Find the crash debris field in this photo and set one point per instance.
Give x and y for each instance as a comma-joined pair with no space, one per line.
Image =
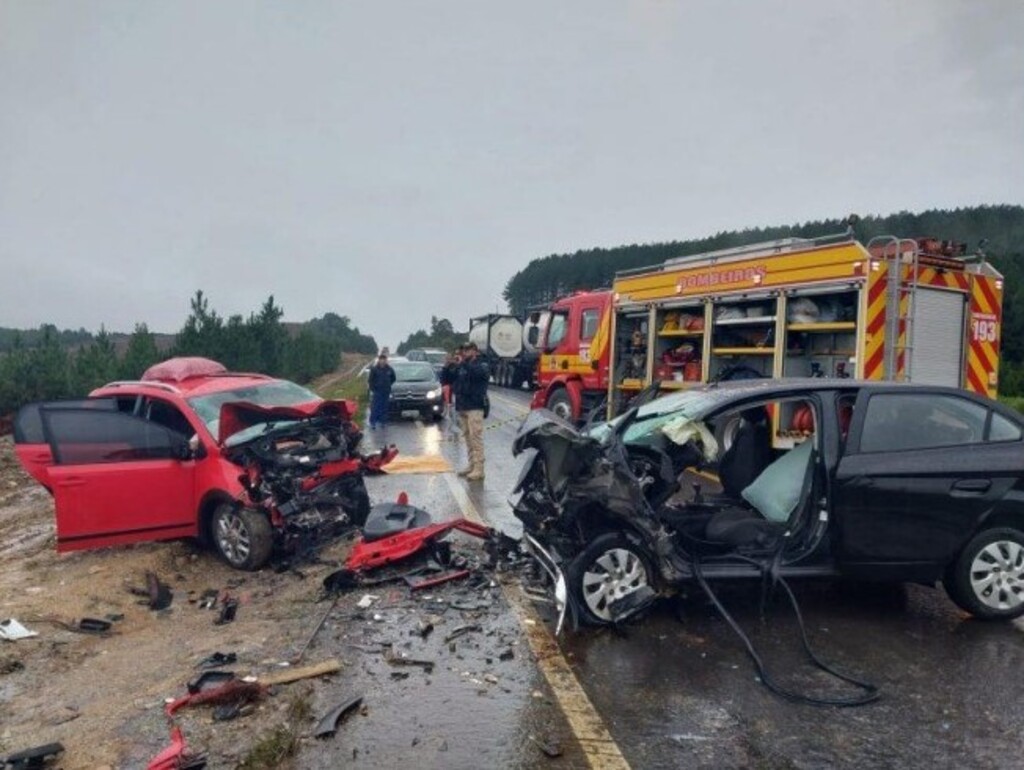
102,695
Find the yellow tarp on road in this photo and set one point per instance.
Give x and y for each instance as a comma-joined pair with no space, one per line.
419,464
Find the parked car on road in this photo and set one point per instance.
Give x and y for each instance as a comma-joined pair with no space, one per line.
416,392
245,462
433,356
820,477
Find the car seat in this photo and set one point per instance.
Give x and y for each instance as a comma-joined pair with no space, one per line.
748,455
783,492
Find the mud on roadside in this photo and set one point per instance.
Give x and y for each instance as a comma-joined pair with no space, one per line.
102,697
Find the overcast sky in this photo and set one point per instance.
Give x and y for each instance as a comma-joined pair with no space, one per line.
390,161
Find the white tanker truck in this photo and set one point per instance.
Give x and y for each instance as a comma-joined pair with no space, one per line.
509,345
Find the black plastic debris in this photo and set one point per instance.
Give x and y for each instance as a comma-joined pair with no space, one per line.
228,610
209,680
462,631
30,759
218,659
160,596
328,725
93,625
424,628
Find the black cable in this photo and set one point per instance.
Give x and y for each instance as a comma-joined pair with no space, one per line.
870,691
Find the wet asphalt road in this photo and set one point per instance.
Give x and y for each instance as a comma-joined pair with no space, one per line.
677,689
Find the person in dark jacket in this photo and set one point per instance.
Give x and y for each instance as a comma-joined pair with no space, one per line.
470,390
381,378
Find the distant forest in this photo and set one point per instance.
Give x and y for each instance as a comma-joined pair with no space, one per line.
46,363
547,278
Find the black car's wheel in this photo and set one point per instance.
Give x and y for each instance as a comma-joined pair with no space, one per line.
607,570
987,579
243,536
560,403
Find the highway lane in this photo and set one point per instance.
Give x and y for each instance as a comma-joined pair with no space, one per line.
678,689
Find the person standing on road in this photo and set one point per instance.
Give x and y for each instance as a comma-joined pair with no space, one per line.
470,391
381,378
447,378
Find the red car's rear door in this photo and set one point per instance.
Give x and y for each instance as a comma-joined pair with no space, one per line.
30,445
117,479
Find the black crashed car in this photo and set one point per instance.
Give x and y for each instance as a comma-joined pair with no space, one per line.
787,478
416,392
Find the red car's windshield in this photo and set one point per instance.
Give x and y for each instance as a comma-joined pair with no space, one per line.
276,393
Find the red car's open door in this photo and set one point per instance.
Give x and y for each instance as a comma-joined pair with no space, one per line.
30,444
117,478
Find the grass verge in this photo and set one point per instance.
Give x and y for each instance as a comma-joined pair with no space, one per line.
279,746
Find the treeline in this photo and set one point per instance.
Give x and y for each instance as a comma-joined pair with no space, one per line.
32,337
999,228
547,278
43,367
442,335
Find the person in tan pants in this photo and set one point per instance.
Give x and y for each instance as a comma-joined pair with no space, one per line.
470,389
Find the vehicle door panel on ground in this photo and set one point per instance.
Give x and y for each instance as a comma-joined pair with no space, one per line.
920,471
117,479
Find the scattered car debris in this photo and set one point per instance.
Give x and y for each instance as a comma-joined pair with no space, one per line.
232,691
158,594
208,680
11,630
506,655
328,725
368,555
423,629
177,756
367,601
315,631
228,610
306,672
94,626
462,631
400,660
29,759
218,659
446,576
208,599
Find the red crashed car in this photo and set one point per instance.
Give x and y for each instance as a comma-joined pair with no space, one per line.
245,462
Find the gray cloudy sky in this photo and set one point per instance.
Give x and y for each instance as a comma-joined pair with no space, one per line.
393,160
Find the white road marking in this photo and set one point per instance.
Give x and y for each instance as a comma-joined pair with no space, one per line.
596,742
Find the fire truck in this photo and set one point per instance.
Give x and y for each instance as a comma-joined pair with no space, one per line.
897,309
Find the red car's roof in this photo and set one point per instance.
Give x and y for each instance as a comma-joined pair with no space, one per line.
193,386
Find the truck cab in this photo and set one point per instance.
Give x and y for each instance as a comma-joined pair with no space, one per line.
572,373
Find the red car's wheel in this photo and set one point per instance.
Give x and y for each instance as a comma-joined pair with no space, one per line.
244,537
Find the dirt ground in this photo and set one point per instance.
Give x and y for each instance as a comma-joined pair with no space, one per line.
103,697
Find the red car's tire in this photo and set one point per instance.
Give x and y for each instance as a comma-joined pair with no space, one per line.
243,537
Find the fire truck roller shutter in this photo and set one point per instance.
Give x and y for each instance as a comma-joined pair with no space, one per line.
938,337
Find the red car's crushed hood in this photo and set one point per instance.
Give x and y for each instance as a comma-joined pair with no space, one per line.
239,415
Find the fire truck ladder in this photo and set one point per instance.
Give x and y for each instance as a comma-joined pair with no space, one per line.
899,337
